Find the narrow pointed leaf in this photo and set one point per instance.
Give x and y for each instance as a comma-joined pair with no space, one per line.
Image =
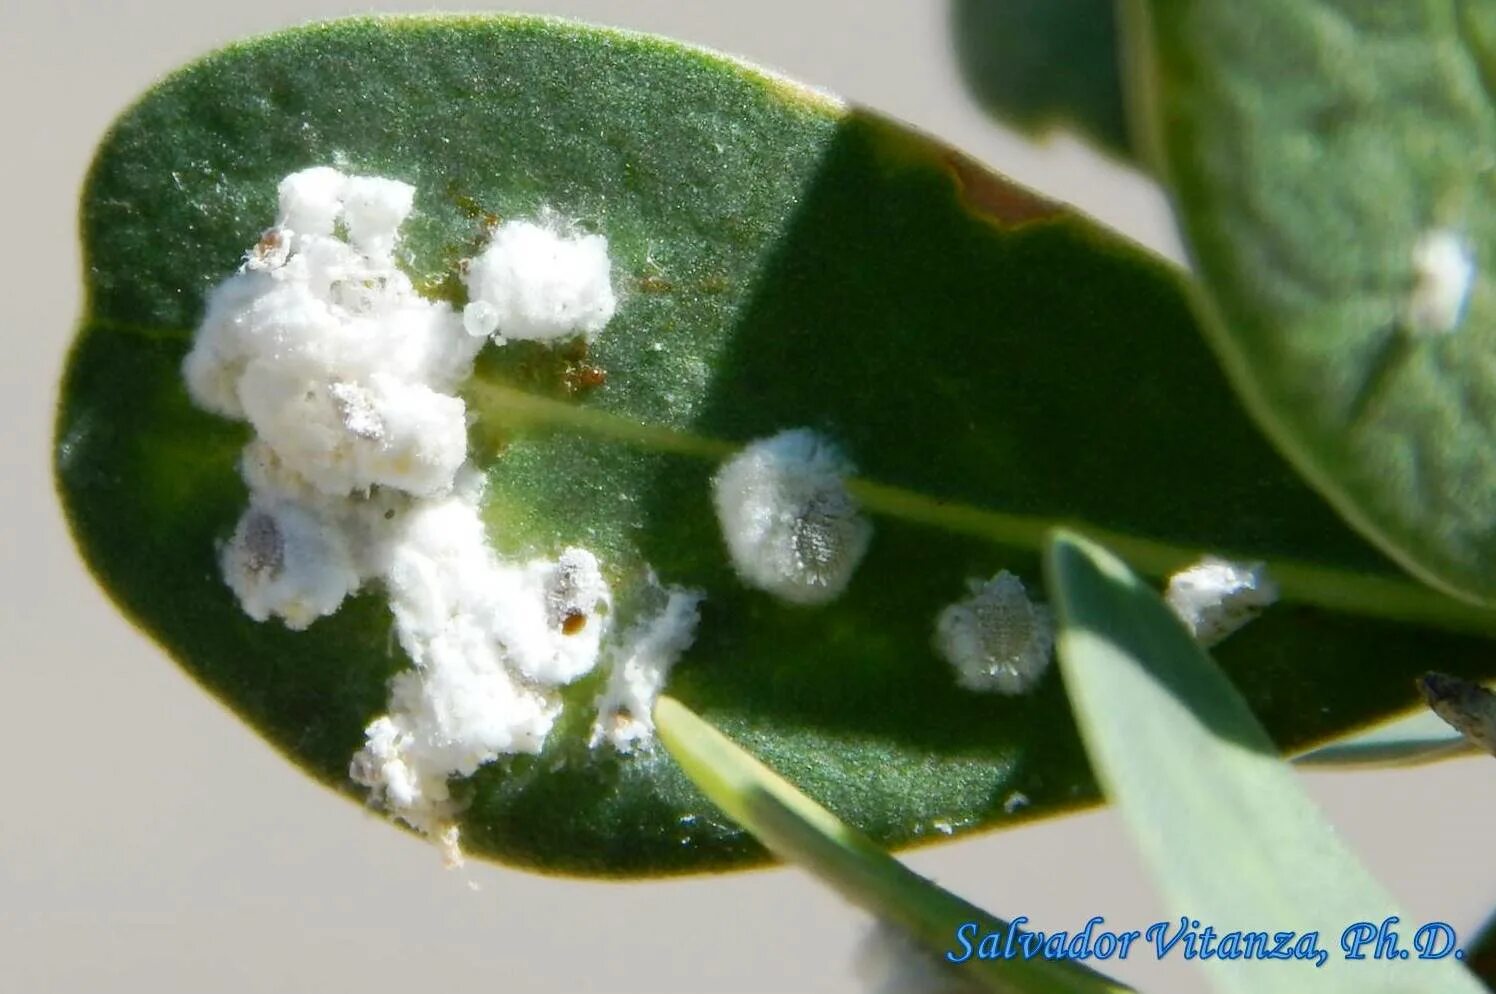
1421,737
798,830
1465,705
1482,952
1230,836
992,363
1330,165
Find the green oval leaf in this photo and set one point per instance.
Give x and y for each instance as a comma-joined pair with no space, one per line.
991,363
1330,164
1227,832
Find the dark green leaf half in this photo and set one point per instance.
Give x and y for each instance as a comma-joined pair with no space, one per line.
1229,834
1313,146
993,364
1042,64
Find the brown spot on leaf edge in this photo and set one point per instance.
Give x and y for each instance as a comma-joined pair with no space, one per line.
999,200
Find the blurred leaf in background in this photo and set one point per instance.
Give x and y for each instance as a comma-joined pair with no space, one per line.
1330,163
1045,64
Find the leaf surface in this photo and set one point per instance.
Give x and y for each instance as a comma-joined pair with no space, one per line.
992,363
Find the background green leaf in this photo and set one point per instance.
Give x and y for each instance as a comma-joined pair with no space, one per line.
1229,835
1311,146
1042,64
992,363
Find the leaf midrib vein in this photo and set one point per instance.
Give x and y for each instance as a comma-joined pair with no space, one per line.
1388,597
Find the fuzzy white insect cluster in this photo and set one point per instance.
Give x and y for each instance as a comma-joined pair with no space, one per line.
323,346
536,283
790,525
1443,273
1216,597
997,639
358,475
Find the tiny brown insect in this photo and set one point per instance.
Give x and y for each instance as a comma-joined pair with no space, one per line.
655,284
269,242
573,623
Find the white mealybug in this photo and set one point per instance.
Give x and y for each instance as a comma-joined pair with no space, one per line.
1443,273
790,525
285,560
1215,597
536,283
997,639
346,437
640,667
576,616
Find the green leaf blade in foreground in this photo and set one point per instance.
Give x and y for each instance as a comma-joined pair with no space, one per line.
1330,166
1482,954
1230,836
993,365
798,830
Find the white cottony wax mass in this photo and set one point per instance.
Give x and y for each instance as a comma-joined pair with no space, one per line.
1443,274
358,474
287,561
322,308
790,526
997,639
1216,597
343,437
535,283
640,667
463,705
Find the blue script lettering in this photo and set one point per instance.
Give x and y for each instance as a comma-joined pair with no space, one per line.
962,933
1081,946
1434,940
1358,936
1308,948
1008,951
1158,935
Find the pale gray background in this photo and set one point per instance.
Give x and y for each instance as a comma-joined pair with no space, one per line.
149,842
